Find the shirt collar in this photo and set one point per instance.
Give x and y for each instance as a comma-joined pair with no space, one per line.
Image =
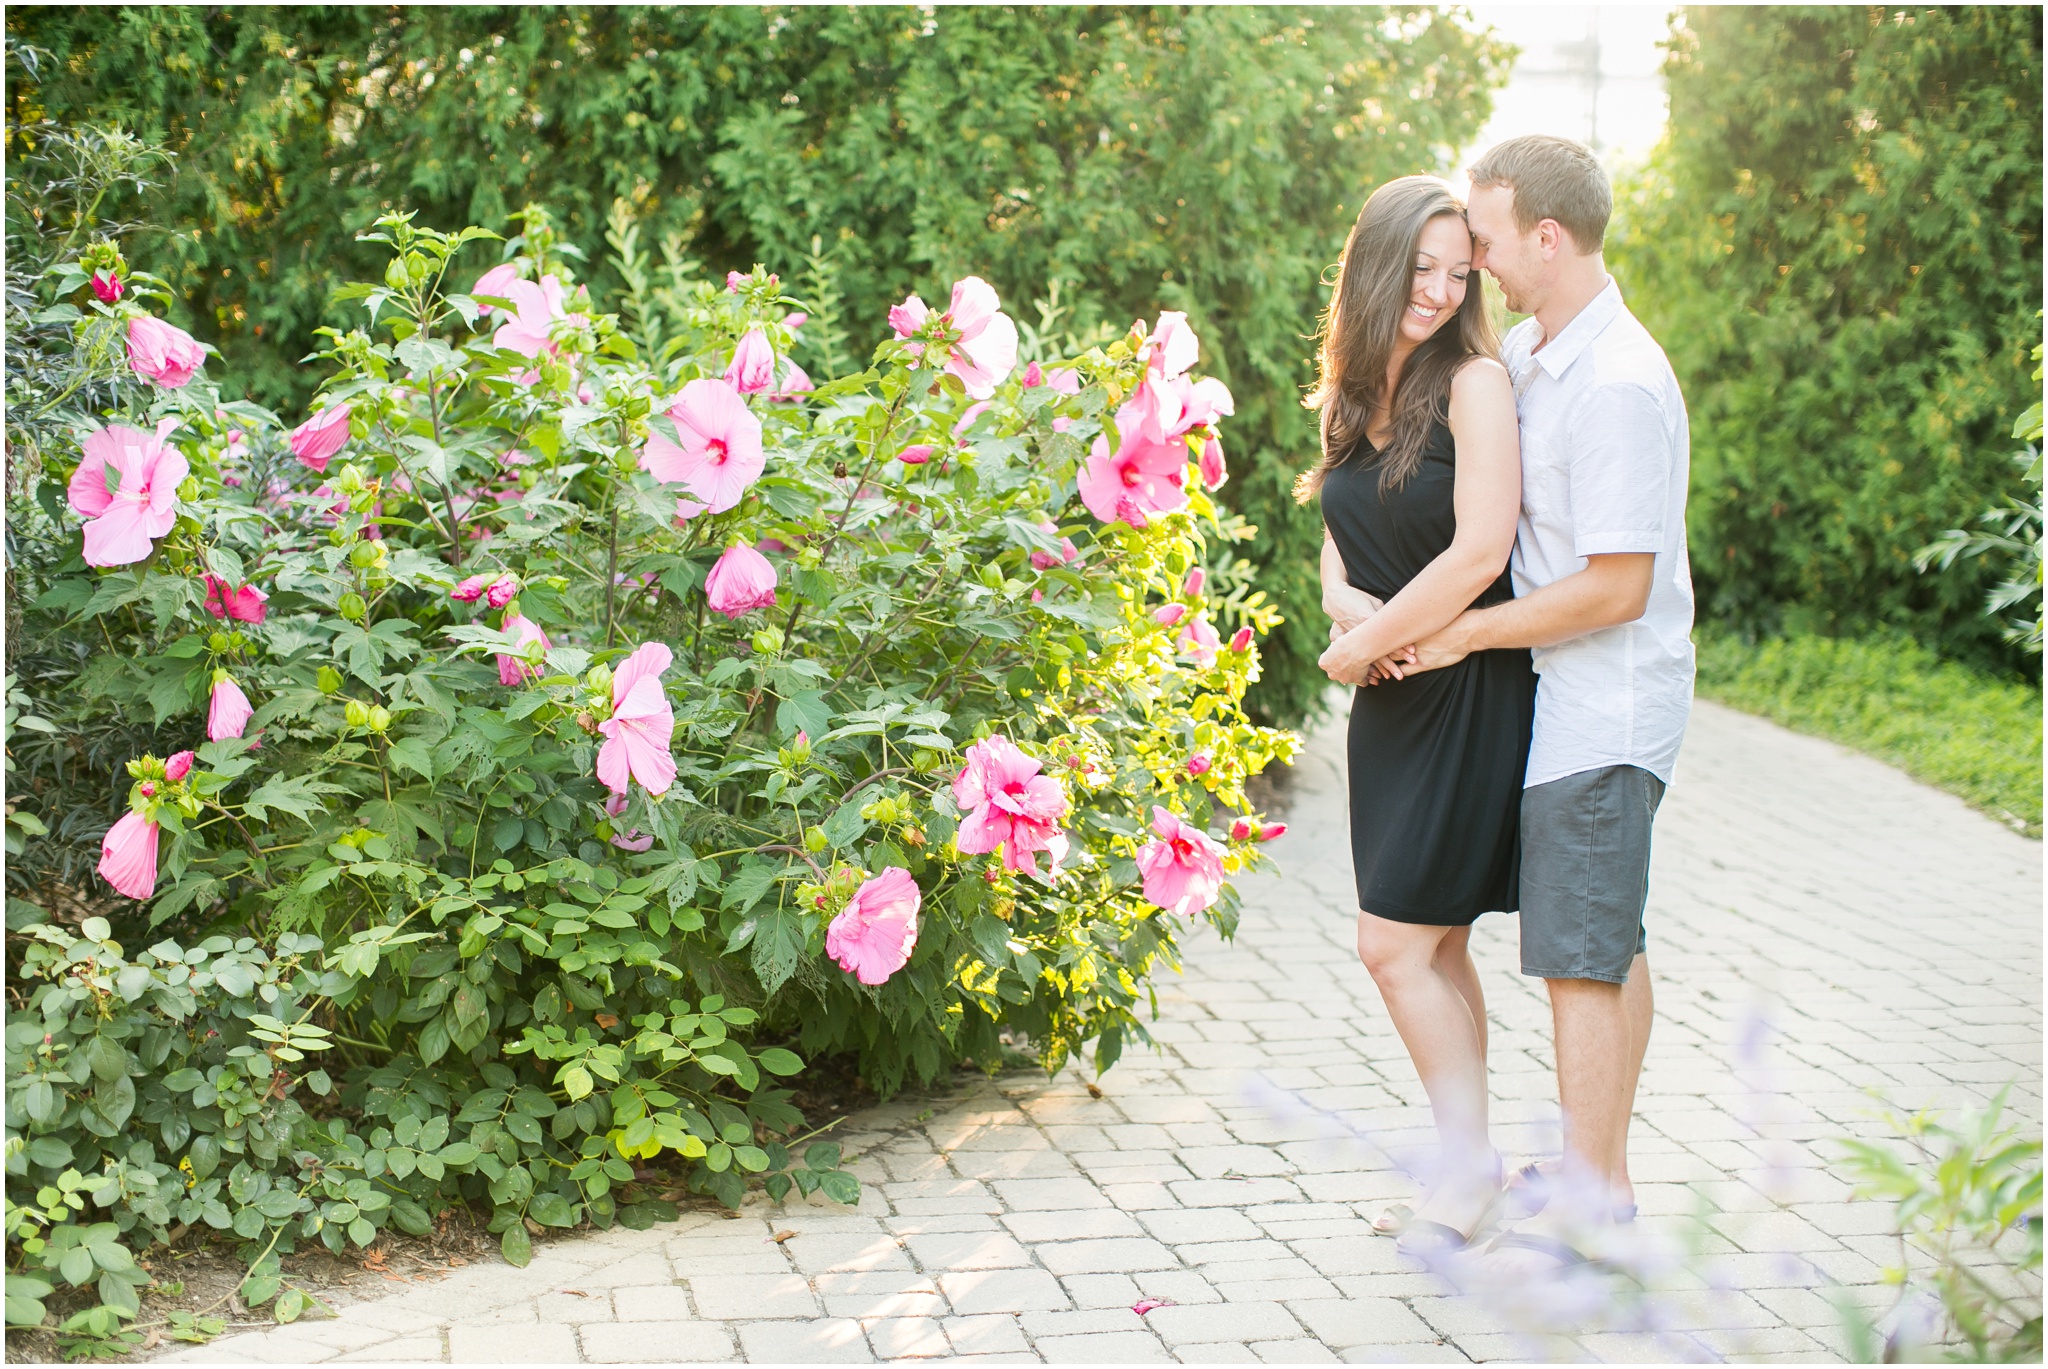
1561,351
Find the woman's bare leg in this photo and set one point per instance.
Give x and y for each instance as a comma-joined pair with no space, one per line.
1446,1040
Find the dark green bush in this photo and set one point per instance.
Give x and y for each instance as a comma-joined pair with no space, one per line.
1839,246
1203,159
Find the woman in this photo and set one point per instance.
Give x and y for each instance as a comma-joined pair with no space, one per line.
1420,482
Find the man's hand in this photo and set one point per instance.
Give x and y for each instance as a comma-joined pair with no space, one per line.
1445,647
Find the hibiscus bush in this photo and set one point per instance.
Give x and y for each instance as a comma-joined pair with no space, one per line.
500,784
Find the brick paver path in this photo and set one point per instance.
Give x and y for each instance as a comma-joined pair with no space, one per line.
1888,937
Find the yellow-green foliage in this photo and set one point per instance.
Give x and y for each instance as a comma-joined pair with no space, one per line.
1976,735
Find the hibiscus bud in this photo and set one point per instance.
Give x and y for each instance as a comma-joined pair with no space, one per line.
814,840
380,718
328,680
352,607
1278,829
1213,471
742,580
178,766
470,590
1167,615
357,713
502,590
1033,377
916,455
107,286
363,555
733,281
148,789
753,364
1198,765
216,642
913,836
803,740
768,641
1196,579
1241,640
1242,829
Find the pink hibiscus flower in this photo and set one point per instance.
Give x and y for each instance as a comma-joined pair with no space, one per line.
1045,560
874,934
162,354
638,731
1172,348
228,710
795,381
1183,869
497,282
742,580
470,590
1198,640
143,507
107,287
1214,472
536,310
128,856
720,453
316,440
1008,804
986,349
514,671
1142,477
177,766
244,605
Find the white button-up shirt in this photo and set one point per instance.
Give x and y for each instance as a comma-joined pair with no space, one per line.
1605,457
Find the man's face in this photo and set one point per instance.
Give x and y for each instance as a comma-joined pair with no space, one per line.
1502,250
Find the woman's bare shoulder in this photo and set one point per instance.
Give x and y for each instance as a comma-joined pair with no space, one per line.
1480,375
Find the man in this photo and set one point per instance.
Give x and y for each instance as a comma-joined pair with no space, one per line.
1604,598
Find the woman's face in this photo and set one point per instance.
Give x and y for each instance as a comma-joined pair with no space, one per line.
1443,261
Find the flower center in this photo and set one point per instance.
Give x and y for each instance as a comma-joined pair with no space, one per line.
1131,476
714,451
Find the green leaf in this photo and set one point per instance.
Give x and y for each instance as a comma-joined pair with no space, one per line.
776,1060
516,1246
550,1208
840,1186
846,824
411,753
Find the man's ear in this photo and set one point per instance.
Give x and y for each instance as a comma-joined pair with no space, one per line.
1551,238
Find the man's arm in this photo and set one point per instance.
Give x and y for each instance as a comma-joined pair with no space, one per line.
1612,589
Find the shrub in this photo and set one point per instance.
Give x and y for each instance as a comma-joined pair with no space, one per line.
1202,159
1839,244
520,766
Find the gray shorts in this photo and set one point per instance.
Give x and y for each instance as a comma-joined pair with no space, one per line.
1586,872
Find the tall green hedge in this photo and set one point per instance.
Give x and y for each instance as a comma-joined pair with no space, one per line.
1839,245
1206,159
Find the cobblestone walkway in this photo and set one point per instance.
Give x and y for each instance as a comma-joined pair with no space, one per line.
1886,936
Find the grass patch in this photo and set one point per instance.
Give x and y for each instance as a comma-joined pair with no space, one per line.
1975,735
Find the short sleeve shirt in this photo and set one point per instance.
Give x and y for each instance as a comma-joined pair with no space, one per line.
1605,461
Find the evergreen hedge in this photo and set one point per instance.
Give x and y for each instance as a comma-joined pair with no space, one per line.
1839,245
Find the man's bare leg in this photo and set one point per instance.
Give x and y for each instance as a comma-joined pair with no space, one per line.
1641,1009
1594,1054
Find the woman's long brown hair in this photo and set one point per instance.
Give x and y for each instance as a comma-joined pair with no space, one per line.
1375,281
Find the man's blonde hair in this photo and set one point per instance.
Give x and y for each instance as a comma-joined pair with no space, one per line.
1552,178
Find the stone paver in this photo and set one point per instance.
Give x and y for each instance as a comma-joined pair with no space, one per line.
1871,933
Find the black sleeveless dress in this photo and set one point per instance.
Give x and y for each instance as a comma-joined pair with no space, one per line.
1437,759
